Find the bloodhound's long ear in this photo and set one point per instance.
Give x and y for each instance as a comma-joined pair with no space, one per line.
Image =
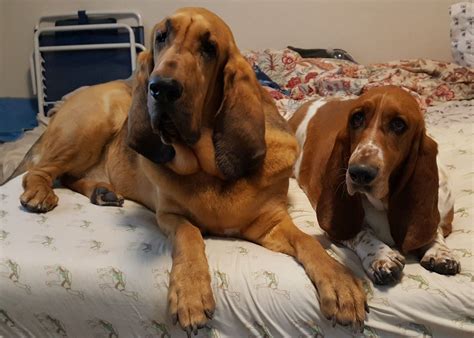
413,206
140,136
239,127
338,213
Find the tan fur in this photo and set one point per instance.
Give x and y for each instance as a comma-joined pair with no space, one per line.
88,137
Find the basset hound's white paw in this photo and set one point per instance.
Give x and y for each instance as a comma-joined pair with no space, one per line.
384,267
442,261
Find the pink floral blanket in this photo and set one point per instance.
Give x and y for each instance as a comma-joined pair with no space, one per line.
431,82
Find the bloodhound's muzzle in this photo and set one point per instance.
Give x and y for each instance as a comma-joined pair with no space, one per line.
192,78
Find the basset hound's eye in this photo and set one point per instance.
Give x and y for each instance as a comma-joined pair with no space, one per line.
357,119
397,125
160,37
208,48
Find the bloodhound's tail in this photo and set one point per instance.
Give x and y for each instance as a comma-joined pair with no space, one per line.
25,163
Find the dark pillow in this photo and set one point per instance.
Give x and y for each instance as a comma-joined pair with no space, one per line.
340,54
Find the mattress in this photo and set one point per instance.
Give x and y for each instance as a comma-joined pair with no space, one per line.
84,270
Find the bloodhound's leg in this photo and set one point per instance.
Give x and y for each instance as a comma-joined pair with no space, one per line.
38,195
99,193
341,295
439,258
190,297
61,153
382,264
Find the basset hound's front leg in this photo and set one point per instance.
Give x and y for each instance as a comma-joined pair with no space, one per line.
190,297
382,264
439,258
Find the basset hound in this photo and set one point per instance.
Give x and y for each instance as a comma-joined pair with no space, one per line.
370,171
194,137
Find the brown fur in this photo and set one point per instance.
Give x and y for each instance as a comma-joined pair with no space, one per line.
232,180
408,182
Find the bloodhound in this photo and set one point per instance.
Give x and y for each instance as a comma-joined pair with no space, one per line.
195,138
370,171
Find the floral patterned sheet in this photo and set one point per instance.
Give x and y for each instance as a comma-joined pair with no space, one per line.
88,271
431,82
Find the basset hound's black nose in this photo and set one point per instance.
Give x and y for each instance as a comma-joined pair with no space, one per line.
362,174
164,89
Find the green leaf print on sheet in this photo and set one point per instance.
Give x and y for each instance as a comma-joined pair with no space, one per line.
102,328
265,279
155,329
161,277
6,319
465,321
46,241
222,283
3,237
62,277
310,327
418,329
259,330
114,279
96,247
10,269
417,282
52,325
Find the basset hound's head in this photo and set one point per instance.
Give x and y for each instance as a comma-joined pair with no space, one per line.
386,156
194,77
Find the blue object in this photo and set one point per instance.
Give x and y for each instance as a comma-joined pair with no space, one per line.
265,80
16,116
65,71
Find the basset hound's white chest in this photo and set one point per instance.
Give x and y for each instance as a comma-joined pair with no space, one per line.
376,218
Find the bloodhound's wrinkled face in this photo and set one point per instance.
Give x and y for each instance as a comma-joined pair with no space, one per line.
188,54
193,78
383,128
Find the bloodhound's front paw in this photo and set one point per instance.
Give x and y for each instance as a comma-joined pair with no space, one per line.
191,301
342,297
442,261
39,198
386,269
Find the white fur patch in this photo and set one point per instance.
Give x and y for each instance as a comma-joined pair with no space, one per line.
301,131
36,158
373,253
376,217
445,196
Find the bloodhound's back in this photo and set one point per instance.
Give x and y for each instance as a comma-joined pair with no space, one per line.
195,138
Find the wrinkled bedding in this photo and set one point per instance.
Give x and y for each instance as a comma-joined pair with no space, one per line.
83,270
300,79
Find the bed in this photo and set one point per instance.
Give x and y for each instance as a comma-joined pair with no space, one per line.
83,270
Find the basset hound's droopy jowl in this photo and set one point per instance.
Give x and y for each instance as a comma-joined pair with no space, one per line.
370,171
195,138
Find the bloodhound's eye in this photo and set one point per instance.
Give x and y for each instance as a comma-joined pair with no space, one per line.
161,37
397,125
208,48
357,119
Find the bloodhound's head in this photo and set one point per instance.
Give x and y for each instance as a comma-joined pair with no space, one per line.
387,156
194,77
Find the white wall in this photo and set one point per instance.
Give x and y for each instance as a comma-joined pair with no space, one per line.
372,30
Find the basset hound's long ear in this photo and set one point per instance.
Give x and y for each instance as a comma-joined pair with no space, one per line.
239,126
338,213
140,136
413,206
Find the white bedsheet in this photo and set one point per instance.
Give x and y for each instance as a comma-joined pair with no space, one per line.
88,271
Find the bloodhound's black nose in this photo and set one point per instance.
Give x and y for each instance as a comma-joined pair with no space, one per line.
165,89
362,174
